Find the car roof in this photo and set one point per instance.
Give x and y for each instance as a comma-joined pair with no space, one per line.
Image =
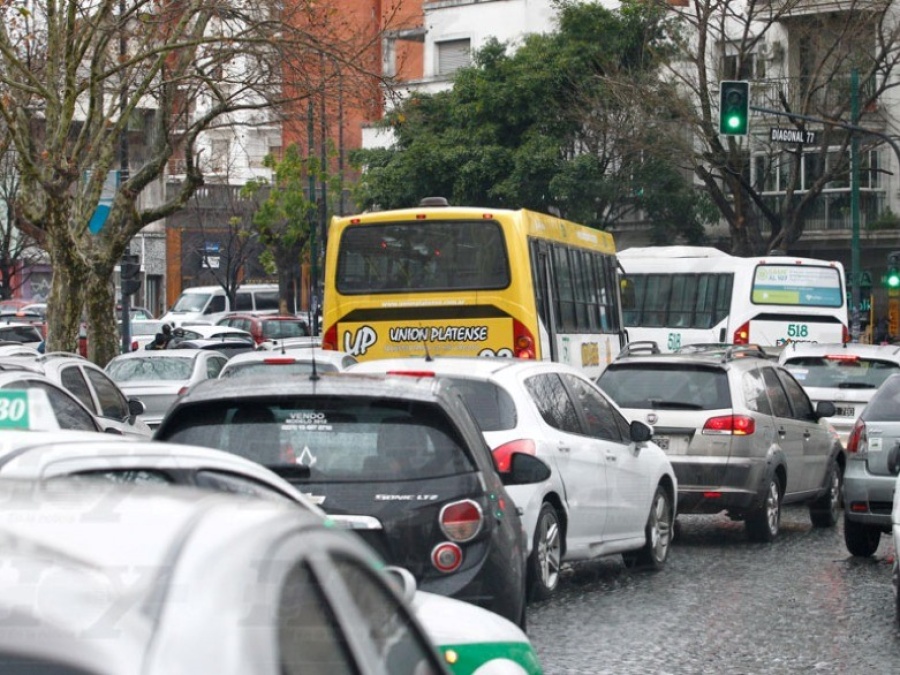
293,355
182,353
462,366
337,384
85,539
889,352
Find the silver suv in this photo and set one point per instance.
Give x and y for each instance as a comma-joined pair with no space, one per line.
845,374
873,453
739,430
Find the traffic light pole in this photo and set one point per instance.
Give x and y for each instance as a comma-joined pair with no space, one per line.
854,253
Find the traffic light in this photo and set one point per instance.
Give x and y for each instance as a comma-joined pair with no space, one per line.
130,273
734,108
892,277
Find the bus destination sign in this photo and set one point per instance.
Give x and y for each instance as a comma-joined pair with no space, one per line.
801,136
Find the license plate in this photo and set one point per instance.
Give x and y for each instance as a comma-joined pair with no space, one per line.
673,445
844,411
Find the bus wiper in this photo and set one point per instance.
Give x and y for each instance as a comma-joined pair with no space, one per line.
674,405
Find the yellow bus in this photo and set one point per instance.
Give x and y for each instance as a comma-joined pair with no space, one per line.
466,281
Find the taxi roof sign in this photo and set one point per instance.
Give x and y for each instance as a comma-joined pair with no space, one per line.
26,409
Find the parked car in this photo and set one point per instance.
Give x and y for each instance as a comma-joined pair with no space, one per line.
845,374
267,327
143,333
295,362
209,332
291,343
740,431
92,386
612,490
210,303
198,567
468,637
895,565
66,411
157,378
24,333
401,454
873,462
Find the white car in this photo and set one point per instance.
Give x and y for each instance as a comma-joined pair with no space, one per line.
845,374
895,566
611,489
295,362
468,637
209,332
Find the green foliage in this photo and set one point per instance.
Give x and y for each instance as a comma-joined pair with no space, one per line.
886,220
556,125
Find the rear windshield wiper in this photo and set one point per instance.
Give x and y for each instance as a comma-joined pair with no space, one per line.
674,405
290,471
856,385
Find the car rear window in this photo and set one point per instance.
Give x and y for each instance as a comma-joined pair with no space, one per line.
337,439
840,371
282,328
278,369
663,385
125,370
885,403
490,404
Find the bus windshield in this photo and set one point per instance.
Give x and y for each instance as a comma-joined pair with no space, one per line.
422,256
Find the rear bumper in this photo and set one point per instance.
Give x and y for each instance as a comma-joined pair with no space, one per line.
713,484
868,498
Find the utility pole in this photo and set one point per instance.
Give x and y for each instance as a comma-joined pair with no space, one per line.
313,252
127,259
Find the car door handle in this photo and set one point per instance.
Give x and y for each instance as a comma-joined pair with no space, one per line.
806,434
611,457
782,432
564,448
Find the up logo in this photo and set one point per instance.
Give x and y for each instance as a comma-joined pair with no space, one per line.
358,343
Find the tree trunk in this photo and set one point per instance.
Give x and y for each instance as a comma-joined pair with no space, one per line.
104,341
65,301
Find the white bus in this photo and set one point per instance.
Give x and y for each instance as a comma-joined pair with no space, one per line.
680,295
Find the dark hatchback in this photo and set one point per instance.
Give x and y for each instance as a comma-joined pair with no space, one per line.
398,459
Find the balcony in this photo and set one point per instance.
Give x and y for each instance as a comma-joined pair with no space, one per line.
826,99
796,9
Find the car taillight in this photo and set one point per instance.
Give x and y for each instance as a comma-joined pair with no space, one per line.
734,425
461,521
742,335
412,373
845,334
503,454
858,441
279,360
134,345
446,557
182,391
523,341
329,338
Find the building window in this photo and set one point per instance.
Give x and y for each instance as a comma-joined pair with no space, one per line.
453,55
751,67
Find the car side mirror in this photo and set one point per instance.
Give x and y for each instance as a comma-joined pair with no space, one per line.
135,407
641,432
825,409
525,470
402,580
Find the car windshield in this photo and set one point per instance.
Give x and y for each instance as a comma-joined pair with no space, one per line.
145,327
840,371
20,333
126,370
491,405
337,439
191,302
280,328
673,386
277,368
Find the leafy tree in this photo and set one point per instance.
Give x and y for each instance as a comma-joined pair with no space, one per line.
285,216
558,125
76,75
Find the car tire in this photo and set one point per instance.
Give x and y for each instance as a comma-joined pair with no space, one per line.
826,510
764,522
546,554
895,583
861,540
658,534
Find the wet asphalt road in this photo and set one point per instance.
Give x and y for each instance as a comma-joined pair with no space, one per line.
724,605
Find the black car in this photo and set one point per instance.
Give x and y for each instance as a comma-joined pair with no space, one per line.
399,459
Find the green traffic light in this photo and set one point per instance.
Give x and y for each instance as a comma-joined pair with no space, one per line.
893,280
734,122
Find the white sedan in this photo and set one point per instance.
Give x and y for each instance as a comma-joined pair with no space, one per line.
468,638
612,490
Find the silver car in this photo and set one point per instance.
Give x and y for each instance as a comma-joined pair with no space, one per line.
873,462
845,374
279,364
157,378
742,434
119,580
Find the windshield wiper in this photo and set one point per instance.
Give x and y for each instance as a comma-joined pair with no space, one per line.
856,385
674,405
290,471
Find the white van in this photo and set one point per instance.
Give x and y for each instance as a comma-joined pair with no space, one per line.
208,304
